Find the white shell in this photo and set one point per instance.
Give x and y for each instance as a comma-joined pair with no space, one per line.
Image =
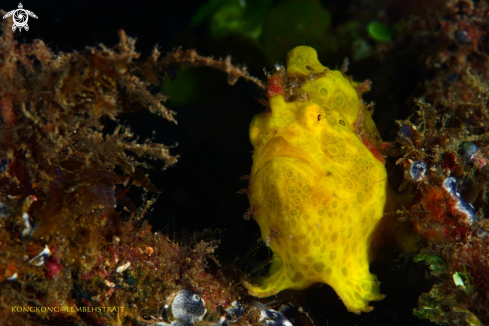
40,259
13,277
123,267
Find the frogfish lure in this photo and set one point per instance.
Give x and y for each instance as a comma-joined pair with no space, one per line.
318,184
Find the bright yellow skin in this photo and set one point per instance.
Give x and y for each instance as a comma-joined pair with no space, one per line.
317,191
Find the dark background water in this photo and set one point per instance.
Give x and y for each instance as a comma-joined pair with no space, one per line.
200,190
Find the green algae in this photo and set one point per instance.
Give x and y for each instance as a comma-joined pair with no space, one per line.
379,31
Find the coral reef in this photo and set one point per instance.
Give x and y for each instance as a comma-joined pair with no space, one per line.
444,163
443,150
71,237
454,37
74,248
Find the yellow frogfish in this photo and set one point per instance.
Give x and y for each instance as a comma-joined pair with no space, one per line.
318,184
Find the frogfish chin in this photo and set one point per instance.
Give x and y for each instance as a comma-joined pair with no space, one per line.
318,184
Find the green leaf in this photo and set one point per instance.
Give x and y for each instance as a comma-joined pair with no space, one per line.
419,258
379,31
458,280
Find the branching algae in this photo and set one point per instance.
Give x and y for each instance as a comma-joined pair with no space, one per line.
73,249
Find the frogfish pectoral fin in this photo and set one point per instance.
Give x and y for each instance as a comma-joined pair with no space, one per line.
279,277
356,293
271,283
